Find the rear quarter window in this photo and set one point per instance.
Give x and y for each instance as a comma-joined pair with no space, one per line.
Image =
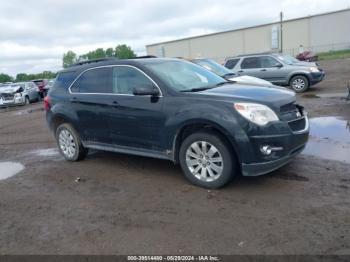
230,64
64,79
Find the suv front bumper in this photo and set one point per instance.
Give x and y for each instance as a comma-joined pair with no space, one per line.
293,144
12,102
317,77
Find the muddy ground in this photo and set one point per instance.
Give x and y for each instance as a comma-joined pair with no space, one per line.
118,204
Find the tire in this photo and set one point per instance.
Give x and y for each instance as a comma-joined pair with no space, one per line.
299,84
192,164
69,143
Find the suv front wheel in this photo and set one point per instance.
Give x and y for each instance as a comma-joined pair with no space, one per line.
299,83
206,160
69,143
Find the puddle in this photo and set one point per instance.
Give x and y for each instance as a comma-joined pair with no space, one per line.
27,111
9,169
46,152
310,96
333,95
329,139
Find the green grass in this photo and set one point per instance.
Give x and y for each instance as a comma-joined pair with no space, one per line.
331,55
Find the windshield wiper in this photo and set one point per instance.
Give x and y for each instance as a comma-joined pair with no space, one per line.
196,89
228,75
223,83
206,88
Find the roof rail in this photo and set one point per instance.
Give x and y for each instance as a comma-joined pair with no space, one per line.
145,56
93,61
261,53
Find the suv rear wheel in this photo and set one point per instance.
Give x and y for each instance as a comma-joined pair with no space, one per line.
299,83
206,160
69,143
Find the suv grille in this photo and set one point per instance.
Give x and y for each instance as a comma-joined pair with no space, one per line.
298,124
293,114
7,96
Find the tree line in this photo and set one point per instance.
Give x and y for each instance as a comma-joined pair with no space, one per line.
22,77
120,52
69,58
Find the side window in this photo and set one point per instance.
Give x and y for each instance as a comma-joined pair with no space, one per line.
250,62
230,64
268,62
125,79
97,80
65,79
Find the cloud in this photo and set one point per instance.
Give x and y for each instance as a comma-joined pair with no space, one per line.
36,33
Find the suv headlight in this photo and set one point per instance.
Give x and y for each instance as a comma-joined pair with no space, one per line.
314,69
18,95
256,113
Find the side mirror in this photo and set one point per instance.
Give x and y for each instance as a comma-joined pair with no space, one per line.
146,91
279,65
21,89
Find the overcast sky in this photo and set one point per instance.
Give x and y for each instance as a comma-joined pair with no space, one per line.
35,33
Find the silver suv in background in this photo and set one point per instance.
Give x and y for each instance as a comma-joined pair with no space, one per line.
227,74
18,94
279,69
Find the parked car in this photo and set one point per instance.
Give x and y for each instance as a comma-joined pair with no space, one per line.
279,69
18,94
307,56
173,109
48,85
228,74
41,83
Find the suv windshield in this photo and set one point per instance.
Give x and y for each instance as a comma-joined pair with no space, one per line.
287,59
213,67
184,76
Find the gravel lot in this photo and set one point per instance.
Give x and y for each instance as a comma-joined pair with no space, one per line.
118,204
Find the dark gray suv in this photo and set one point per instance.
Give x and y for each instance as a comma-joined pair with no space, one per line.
279,69
175,110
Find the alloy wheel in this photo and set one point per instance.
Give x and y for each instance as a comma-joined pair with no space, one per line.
204,161
67,143
298,84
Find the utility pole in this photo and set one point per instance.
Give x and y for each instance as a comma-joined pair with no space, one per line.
281,30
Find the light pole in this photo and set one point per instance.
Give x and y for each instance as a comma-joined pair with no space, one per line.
281,30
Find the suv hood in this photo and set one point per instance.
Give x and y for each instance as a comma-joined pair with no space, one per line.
271,96
250,80
9,90
306,64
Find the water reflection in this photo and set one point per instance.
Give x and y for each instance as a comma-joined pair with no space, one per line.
329,139
9,169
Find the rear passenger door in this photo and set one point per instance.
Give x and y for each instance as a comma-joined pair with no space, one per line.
136,121
250,66
90,99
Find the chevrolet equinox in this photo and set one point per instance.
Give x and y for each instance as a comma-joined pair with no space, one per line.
175,110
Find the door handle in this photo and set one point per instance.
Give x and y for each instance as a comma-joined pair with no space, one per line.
115,104
240,71
263,70
74,100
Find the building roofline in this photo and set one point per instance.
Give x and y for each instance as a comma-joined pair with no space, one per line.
248,27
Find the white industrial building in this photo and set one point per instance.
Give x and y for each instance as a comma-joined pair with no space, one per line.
319,33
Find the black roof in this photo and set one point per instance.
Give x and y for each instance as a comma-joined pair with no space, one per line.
81,66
